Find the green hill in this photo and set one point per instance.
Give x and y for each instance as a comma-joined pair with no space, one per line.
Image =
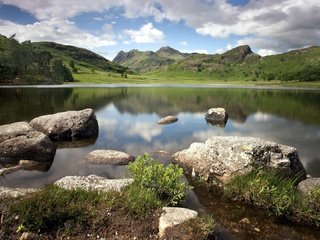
241,64
82,57
140,61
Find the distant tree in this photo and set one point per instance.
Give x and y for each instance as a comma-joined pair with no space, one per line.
59,72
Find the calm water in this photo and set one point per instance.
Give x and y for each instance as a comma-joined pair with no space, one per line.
127,119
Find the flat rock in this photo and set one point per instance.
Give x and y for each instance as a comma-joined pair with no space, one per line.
20,141
111,157
93,182
216,116
16,192
222,157
305,186
168,120
68,125
173,216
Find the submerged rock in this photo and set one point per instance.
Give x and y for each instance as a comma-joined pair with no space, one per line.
173,216
111,157
222,157
217,116
93,182
20,141
23,164
168,120
68,125
306,186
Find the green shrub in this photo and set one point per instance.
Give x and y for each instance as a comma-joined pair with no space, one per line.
52,207
163,181
267,189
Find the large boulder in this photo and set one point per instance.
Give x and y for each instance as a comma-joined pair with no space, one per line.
68,125
111,157
93,182
19,141
222,157
217,116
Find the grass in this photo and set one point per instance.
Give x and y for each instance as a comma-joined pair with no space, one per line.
270,190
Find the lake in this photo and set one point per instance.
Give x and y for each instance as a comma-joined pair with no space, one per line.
128,116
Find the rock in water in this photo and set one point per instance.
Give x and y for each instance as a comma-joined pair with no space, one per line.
222,157
19,141
68,125
217,116
111,157
168,120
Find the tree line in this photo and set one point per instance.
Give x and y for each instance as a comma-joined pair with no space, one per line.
20,63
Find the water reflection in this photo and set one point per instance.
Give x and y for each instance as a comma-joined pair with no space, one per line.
128,118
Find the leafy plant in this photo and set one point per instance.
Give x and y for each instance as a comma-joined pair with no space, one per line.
163,181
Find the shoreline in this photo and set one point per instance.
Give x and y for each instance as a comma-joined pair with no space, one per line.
164,85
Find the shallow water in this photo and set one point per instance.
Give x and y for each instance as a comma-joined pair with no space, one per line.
127,118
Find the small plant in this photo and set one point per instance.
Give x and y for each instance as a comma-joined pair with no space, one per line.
163,181
263,188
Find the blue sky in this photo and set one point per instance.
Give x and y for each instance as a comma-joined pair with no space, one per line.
207,26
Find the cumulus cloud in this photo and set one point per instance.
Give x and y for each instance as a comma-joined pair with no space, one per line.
62,31
146,34
272,25
202,51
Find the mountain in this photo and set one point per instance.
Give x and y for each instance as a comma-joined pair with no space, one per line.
81,56
145,61
241,64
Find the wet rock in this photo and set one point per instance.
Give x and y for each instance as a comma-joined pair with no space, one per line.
111,157
68,125
222,157
20,141
305,186
23,164
217,116
173,216
93,182
168,120
16,192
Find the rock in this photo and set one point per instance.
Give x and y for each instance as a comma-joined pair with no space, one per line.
13,130
29,236
173,216
222,157
16,192
305,186
217,116
20,141
244,221
23,164
93,182
168,120
109,157
68,125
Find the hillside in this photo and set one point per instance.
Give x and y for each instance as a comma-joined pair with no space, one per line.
242,64
140,61
81,56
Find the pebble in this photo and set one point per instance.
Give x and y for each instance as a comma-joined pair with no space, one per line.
256,229
244,221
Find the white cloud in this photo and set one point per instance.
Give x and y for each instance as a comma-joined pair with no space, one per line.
266,52
62,31
202,51
273,25
184,43
146,34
